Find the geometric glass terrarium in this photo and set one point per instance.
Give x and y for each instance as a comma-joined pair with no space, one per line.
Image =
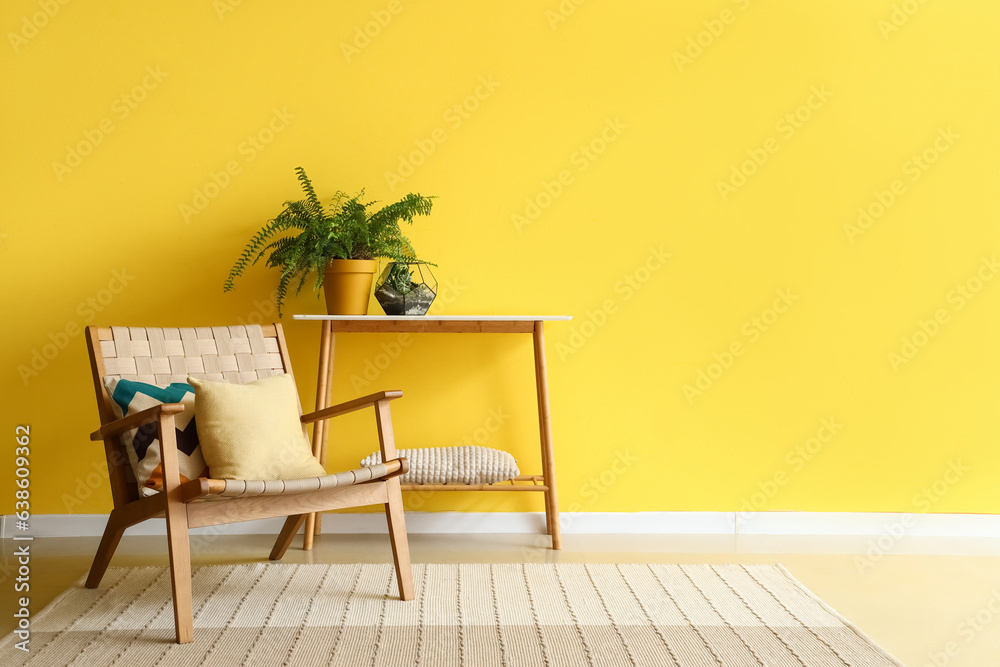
406,288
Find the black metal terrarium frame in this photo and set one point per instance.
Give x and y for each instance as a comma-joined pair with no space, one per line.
406,288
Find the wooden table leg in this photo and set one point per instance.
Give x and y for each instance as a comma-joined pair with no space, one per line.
319,428
324,437
545,431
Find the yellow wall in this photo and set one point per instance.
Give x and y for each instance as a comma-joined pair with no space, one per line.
745,159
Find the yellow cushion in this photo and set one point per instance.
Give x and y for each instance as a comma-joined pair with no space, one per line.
252,431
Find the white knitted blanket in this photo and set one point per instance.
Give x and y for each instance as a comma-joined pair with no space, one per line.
453,465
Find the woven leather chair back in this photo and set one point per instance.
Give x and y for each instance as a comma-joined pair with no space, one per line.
238,354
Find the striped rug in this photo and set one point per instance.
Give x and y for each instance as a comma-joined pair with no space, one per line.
474,615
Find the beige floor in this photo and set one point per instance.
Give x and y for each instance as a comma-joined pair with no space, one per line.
923,599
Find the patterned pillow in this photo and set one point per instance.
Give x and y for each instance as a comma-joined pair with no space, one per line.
143,445
453,465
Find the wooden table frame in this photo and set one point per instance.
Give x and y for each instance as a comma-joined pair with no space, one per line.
535,325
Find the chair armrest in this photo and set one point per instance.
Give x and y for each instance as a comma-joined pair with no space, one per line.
119,426
350,406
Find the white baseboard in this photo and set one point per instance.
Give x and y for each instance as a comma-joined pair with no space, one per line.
869,524
633,523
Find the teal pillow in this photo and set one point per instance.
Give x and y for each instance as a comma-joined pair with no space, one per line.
142,444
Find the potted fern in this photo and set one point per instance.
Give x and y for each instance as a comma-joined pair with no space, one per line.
339,242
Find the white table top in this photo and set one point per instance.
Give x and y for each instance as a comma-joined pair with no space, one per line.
438,318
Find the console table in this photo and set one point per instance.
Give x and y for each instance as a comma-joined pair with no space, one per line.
449,324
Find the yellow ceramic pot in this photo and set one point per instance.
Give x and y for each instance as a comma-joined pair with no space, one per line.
347,284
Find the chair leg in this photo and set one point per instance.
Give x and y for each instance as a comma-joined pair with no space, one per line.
109,542
180,570
394,508
397,536
287,534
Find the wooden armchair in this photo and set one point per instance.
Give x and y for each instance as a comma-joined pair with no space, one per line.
237,354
